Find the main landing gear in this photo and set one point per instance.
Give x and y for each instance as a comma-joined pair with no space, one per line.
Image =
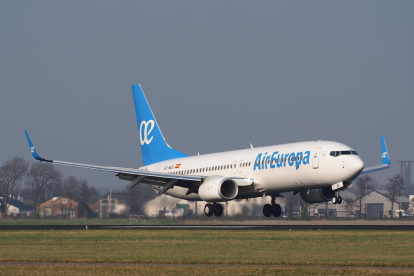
273,209
215,208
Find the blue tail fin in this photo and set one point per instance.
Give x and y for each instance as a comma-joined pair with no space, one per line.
154,148
385,156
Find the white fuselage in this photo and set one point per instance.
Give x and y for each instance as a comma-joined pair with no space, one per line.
272,169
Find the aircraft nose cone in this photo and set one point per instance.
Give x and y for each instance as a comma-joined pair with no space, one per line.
356,166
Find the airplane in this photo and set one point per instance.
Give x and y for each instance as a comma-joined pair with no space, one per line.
317,170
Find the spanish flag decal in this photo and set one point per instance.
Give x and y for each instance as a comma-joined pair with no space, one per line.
177,166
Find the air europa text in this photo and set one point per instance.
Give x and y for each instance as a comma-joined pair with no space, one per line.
278,160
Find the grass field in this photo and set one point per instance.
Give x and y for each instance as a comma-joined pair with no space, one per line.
239,247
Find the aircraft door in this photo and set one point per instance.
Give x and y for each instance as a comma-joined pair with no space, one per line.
235,167
241,166
315,159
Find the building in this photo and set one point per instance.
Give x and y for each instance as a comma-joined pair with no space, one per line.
17,208
111,204
377,204
62,207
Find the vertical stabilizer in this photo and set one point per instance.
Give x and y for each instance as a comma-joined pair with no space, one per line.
385,156
154,148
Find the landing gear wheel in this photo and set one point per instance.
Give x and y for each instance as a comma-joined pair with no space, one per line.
339,199
209,209
334,200
267,210
276,210
218,210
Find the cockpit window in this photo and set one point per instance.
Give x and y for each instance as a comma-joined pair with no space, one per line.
335,153
343,152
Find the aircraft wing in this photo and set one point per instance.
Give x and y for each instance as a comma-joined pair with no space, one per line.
134,175
386,161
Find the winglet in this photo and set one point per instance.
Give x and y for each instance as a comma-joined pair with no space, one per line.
385,156
33,150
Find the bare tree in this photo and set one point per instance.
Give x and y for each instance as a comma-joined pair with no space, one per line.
11,173
41,177
364,183
70,187
349,204
395,187
87,195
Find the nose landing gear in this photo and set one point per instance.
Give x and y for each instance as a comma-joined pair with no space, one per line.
337,199
215,208
273,209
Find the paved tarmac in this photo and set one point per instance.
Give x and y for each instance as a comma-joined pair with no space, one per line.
376,268
212,227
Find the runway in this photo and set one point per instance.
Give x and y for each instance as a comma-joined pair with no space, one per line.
400,227
206,265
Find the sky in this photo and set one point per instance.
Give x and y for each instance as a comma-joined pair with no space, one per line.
219,75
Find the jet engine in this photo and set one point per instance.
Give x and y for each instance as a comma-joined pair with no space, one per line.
317,195
218,189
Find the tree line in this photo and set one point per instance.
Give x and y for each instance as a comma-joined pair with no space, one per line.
40,181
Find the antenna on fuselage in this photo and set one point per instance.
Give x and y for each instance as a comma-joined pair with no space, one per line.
251,145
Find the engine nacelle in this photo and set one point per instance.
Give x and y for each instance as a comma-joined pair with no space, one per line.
317,195
218,189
